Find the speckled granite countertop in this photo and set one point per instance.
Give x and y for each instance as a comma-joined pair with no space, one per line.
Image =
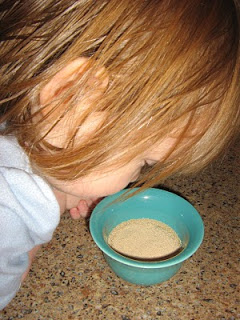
70,279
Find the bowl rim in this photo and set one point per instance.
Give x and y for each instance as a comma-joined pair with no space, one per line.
111,253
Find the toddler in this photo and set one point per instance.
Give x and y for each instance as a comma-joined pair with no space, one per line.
95,95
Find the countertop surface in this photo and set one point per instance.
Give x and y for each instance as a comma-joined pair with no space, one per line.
71,280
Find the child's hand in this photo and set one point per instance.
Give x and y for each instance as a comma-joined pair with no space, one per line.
84,208
32,253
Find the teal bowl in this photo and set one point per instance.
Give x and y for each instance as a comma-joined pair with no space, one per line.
152,203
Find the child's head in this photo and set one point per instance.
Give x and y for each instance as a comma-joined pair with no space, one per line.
90,84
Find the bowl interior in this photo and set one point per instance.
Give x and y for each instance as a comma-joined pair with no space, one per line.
152,203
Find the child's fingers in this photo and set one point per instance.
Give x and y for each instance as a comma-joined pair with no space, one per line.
74,213
81,210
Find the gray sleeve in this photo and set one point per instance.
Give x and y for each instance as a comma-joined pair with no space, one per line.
29,214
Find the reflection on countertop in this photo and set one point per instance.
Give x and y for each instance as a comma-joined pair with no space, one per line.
70,279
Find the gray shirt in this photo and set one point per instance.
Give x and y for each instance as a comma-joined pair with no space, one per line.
29,214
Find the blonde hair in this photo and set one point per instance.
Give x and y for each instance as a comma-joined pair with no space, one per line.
173,66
